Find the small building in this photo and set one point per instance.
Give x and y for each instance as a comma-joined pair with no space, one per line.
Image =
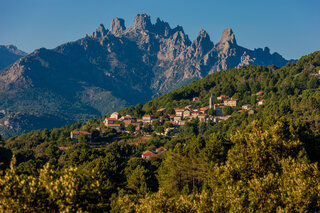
161,149
114,126
261,102
179,112
195,99
108,121
147,155
204,110
247,106
75,134
203,117
177,119
138,126
259,93
147,118
127,122
187,113
231,102
222,97
115,115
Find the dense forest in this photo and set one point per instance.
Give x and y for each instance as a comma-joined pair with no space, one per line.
265,162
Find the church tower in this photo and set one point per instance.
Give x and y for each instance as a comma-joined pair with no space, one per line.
211,101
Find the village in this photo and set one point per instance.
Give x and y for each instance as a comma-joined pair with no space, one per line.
170,124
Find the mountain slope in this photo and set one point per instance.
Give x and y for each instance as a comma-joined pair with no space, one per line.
9,54
112,69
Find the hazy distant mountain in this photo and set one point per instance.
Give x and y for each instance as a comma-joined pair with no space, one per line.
9,54
112,69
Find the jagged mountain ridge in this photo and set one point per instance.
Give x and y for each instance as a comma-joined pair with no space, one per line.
9,54
111,69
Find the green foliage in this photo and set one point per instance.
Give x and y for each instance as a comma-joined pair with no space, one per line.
248,163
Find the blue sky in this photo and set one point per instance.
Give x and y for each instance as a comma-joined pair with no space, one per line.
289,27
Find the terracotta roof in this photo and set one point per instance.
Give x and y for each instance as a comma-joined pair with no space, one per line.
161,148
171,116
263,100
223,96
178,109
204,108
259,93
246,105
81,132
147,116
113,125
111,119
148,153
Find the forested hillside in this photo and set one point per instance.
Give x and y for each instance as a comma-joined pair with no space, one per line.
266,162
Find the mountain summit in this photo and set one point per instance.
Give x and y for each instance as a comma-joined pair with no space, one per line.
111,69
9,54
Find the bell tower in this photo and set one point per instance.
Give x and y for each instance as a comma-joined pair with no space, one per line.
211,101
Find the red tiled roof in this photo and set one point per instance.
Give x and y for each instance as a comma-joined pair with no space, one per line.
204,108
113,125
146,153
223,96
230,99
81,132
111,119
178,109
171,116
161,148
263,100
259,93
147,116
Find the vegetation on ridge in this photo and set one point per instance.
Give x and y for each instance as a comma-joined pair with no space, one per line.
263,162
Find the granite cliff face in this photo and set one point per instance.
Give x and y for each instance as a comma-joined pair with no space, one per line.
9,54
111,69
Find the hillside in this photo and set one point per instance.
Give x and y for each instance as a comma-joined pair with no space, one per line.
264,162
111,69
9,54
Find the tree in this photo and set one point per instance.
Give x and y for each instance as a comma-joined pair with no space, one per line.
138,180
227,110
160,129
131,128
147,128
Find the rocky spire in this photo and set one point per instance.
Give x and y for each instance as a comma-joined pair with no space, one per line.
203,42
228,36
100,32
162,27
143,22
117,26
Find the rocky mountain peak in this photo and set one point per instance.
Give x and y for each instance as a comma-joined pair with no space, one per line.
143,22
228,36
162,27
202,44
117,26
100,32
